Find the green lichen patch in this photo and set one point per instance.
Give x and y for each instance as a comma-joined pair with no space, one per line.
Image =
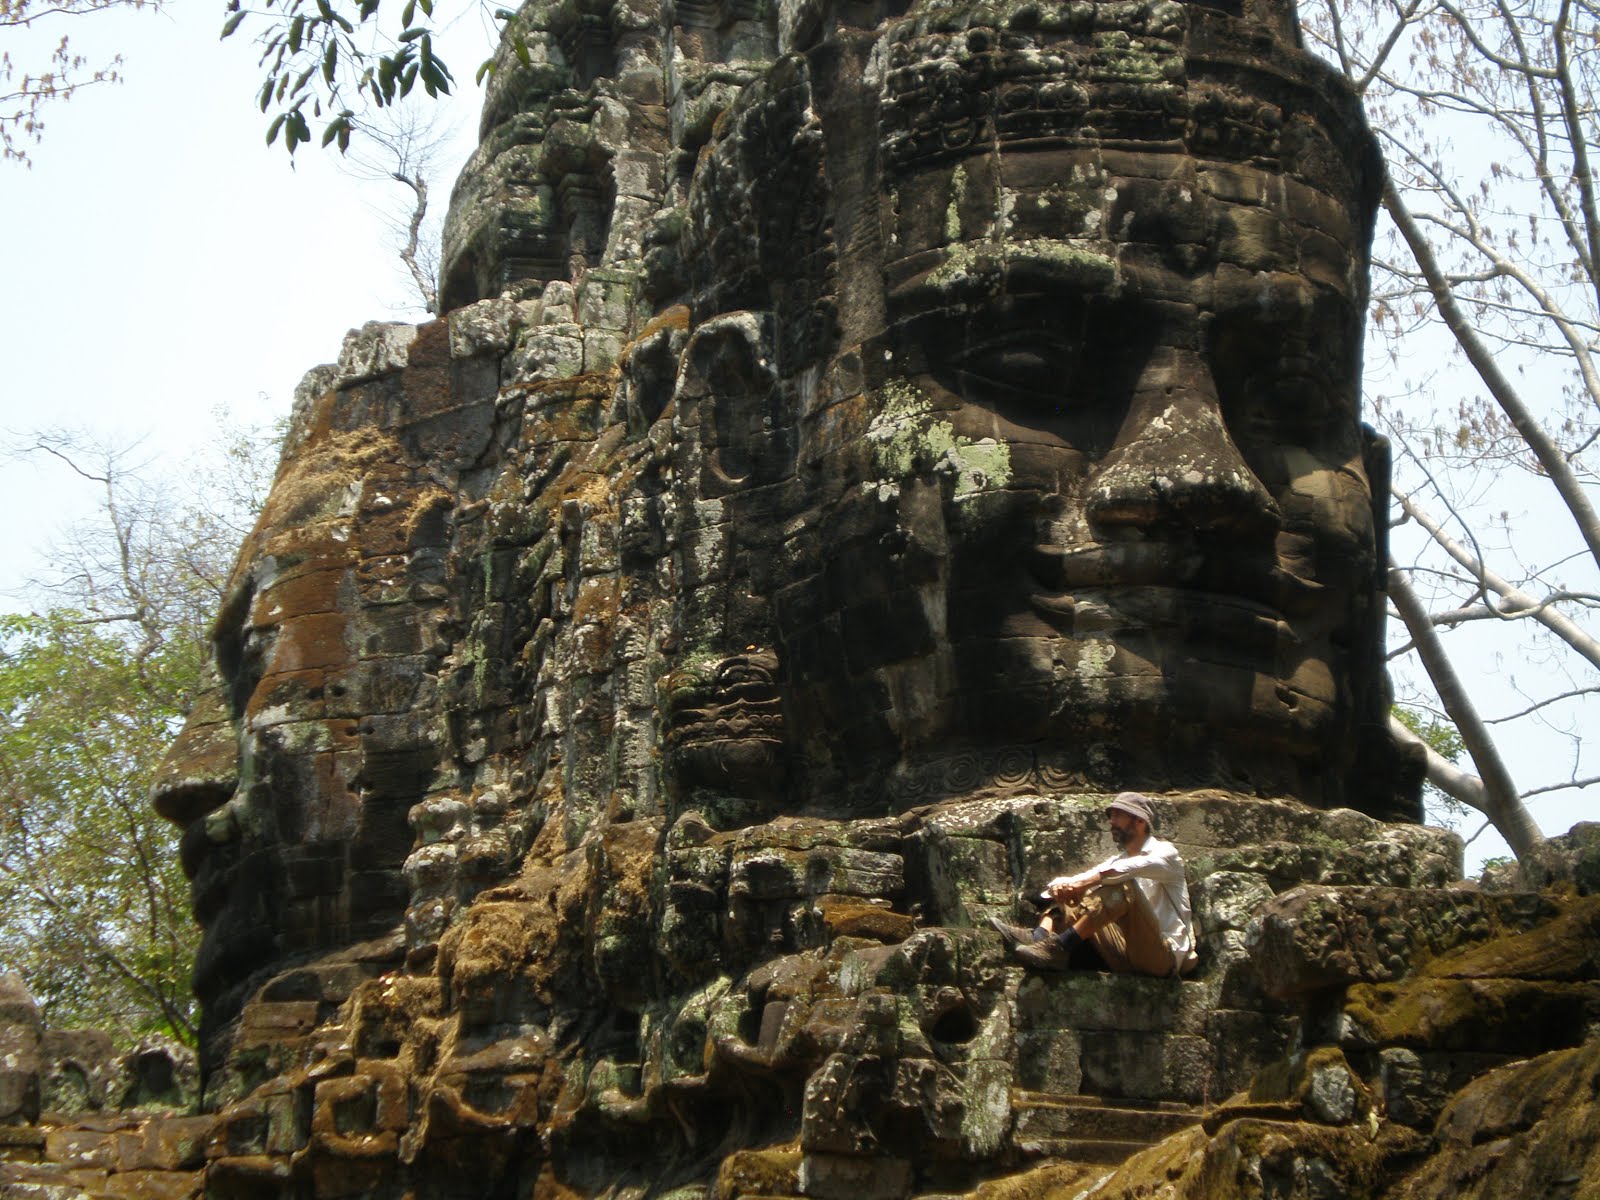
907,438
977,266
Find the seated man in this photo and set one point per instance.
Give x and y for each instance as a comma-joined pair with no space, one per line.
1133,909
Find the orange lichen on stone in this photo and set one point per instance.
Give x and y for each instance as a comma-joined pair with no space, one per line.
301,594
311,641
847,916
317,483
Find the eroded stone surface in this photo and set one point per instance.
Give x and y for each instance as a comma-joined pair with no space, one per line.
51,1074
1463,1078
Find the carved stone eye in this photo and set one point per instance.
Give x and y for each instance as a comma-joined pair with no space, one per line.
1031,368
1026,369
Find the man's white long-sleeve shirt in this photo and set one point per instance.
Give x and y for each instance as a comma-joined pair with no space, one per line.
1157,869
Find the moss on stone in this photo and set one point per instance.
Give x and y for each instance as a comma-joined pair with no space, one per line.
767,1171
1528,1129
1525,992
1253,1158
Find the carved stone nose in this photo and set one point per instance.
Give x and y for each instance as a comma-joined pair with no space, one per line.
201,769
1174,464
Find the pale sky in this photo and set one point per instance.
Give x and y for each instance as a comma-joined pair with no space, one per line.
162,262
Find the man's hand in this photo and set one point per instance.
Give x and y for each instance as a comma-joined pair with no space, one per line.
1070,887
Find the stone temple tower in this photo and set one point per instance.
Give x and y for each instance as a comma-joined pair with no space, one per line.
861,438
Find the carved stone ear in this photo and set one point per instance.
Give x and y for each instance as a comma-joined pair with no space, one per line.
649,369
1377,459
723,734
726,387
1387,774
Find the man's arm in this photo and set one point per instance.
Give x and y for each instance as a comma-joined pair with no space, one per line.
1162,863
1070,887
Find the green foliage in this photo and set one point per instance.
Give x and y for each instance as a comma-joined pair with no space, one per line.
94,908
1446,742
325,59
1441,735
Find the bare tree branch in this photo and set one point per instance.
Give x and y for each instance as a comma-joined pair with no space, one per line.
1546,702
1498,799
1518,602
402,144
1574,782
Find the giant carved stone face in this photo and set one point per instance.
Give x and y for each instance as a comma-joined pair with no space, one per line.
1083,493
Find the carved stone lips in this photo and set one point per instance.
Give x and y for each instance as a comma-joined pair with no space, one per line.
1240,609
1255,581
737,719
1230,624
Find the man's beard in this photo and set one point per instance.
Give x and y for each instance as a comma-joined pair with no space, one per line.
1120,836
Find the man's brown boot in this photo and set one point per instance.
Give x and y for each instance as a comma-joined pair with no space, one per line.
1047,955
1016,935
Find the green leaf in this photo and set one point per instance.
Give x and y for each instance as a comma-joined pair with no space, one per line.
408,13
298,132
272,130
330,61
388,69
232,23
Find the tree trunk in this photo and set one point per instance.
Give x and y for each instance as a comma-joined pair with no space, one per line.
1498,799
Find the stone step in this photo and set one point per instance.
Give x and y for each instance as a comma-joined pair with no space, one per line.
1119,1124
1108,1152
1093,1129
1022,1097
